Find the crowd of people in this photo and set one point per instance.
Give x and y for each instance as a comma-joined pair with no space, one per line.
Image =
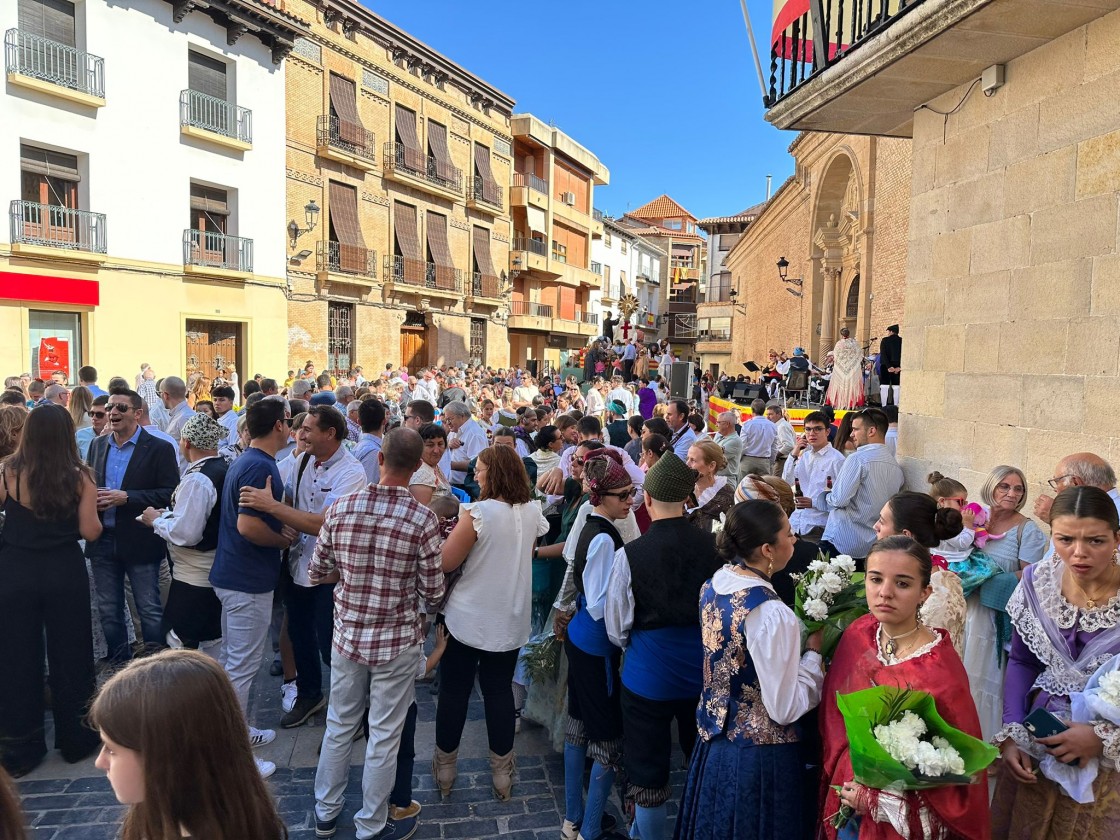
166,540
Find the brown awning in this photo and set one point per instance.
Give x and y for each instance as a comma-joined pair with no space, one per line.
482,257
344,103
682,250
437,140
343,212
491,192
45,162
408,242
440,250
410,154
209,200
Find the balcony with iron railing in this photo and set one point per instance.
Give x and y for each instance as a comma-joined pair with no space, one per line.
598,214
533,182
597,268
215,120
533,246
718,293
529,190
59,231
485,285
484,195
412,167
713,335
530,308
357,263
41,64
404,271
216,254
345,142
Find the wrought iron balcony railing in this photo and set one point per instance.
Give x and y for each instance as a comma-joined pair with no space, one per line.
713,335
528,307
49,61
534,246
346,259
596,268
487,194
598,214
588,317
425,275
212,114
217,250
718,293
400,158
533,182
57,227
485,285
351,138
798,54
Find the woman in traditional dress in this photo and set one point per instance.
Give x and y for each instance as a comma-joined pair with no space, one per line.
891,646
757,683
845,389
1066,619
713,495
1014,542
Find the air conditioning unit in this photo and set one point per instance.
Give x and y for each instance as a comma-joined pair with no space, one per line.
568,198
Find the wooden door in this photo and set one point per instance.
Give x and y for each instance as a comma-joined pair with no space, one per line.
414,350
213,345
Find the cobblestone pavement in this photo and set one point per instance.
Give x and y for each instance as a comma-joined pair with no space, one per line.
74,802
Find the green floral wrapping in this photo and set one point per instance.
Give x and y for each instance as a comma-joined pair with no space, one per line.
850,604
874,767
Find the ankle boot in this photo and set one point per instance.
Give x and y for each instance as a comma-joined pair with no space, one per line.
501,769
443,770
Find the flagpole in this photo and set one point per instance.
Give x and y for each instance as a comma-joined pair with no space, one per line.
754,50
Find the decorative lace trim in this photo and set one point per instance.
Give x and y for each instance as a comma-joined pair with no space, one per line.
1057,677
894,810
1109,734
914,654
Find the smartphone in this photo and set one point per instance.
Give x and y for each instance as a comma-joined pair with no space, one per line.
1041,724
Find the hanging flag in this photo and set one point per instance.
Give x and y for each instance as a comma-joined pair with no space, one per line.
791,36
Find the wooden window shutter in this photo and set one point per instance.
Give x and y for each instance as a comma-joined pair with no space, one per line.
344,105
440,250
491,192
344,221
437,140
409,155
206,75
45,162
53,19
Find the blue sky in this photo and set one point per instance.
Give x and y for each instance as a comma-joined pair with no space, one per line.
664,93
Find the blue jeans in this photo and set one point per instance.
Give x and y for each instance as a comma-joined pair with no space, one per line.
310,625
109,570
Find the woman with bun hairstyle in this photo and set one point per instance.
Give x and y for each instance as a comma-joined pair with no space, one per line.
757,684
917,515
177,753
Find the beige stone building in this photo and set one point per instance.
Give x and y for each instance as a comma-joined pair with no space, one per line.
554,222
407,157
841,222
1011,332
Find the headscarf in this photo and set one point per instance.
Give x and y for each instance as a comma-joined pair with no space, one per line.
603,471
204,432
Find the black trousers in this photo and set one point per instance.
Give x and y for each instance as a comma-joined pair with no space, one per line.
647,736
628,370
45,599
457,670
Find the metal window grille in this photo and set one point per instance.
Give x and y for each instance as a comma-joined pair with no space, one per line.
340,337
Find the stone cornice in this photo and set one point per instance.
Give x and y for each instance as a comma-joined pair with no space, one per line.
272,26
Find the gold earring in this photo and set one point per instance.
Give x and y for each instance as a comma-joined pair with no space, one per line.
769,568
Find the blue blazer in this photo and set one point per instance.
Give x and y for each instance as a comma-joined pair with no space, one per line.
150,479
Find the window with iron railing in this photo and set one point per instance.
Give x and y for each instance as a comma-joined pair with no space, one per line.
533,246
217,250
36,57
528,307
32,223
533,182
209,113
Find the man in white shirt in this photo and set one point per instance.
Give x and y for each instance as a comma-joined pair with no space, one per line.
731,444
676,415
371,417
465,439
759,438
812,461
174,396
620,393
325,472
786,438
629,354
223,397
426,388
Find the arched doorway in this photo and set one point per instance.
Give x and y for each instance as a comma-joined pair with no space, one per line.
837,240
414,341
850,312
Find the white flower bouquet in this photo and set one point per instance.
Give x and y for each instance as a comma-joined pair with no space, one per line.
829,595
898,742
1101,698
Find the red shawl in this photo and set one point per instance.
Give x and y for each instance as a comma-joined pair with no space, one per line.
856,666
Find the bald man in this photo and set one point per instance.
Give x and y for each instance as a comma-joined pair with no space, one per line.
1074,470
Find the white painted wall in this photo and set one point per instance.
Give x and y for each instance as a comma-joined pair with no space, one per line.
136,167
611,256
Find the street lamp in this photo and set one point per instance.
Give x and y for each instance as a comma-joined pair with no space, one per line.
311,215
783,269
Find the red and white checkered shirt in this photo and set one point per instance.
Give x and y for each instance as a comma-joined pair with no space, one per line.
386,548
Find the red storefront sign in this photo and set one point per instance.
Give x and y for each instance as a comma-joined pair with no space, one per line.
42,288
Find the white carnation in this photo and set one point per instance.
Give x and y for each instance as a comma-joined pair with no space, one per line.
816,609
929,760
844,563
814,590
950,758
1110,688
901,738
831,582
818,565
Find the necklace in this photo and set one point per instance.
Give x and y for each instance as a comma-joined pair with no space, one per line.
1091,600
891,646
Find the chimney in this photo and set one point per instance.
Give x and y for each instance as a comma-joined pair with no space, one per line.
769,178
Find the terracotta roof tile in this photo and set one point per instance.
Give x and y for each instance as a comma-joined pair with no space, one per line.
661,207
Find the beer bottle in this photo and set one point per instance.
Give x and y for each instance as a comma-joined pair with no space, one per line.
797,488
828,484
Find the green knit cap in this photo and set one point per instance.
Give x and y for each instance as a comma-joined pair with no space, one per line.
670,479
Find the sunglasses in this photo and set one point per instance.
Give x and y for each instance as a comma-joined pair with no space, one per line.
98,414
121,407
622,495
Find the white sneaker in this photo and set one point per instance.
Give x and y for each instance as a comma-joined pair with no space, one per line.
265,768
288,693
260,737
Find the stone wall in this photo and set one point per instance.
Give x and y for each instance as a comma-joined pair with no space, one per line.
1011,334
892,213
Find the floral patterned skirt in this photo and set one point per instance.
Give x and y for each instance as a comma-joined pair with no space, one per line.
1043,812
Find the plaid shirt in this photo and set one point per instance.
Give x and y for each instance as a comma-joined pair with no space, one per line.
386,548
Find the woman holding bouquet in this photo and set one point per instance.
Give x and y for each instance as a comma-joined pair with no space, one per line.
892,647
742,779
1066,619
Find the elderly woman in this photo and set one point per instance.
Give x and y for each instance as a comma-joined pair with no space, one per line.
713,494
428,482
487,613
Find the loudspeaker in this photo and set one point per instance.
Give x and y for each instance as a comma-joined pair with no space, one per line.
533,366
680,380
745,392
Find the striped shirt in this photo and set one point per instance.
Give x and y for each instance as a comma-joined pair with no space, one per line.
868,478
